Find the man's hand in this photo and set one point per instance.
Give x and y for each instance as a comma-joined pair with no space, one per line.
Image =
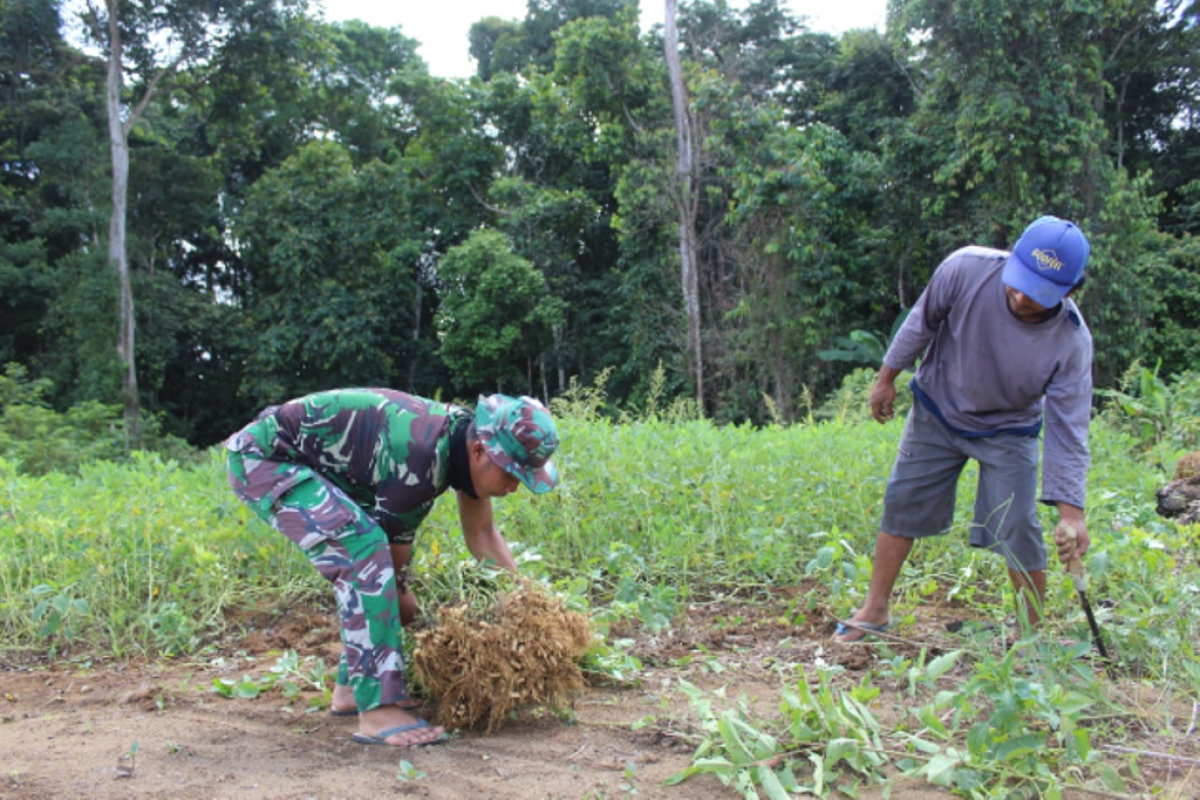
883,394
1071,516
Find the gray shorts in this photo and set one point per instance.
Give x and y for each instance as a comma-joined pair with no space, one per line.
919,500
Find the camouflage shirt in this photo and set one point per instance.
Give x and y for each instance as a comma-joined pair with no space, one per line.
389,451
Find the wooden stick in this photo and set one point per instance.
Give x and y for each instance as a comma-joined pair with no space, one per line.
1118,749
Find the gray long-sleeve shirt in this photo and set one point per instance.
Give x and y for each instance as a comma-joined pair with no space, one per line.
986,371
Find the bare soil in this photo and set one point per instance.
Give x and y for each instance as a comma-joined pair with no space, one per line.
69,732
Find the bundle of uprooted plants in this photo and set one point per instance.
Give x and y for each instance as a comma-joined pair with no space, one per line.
483,663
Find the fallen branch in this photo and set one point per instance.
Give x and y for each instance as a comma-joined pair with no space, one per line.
1118,749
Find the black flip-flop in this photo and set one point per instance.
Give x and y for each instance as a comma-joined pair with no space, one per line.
384,735
868,629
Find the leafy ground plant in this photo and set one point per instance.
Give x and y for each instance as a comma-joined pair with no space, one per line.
407,773
291,674
827,736
1020,726
150,557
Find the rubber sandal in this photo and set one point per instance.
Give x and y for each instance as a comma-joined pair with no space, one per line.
384,735
867,629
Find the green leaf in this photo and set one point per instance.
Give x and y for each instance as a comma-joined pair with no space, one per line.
818,774
968,780
979,738
738,752
940,770
1111,779
1020,746
762,745
929,718
771,784
681,776
921,744
788,778
247,691
715,766
51,626
942,664
839,749
1074,702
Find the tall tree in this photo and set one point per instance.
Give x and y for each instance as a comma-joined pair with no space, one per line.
355,95
544,19
333,257
1152,62
151,43
1010,128
53,183
686,196
497,45
802,203
1011,112
565,134
495,316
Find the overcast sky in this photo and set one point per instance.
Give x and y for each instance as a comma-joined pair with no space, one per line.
441,25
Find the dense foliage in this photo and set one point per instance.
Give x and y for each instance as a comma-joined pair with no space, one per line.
307,207
153,557
712,507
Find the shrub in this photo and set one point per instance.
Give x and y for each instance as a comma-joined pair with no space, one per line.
39,439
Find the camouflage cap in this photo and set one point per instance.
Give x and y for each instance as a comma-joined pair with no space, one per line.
520,437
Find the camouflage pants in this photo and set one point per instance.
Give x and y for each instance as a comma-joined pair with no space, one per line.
351,551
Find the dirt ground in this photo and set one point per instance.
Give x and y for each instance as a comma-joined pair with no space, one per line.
69,732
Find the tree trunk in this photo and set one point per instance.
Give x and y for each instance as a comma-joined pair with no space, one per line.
418,299
560,368
686,199
119,144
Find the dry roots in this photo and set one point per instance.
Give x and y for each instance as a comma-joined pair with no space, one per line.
1187,466
481,666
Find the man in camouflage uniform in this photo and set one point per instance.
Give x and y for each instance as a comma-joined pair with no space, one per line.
348,475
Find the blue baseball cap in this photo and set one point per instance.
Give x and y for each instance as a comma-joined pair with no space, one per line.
1047,261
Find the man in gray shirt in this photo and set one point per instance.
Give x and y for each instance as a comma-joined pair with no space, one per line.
1004,348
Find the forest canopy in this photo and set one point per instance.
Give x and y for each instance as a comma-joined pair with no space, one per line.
207,207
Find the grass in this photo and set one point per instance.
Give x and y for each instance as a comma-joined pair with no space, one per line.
143,557
148,557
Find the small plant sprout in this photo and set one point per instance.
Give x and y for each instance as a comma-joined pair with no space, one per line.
628,785
406,772
126,763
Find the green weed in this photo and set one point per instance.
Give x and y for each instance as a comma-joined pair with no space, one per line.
291,674
1006,731
654,514
407,773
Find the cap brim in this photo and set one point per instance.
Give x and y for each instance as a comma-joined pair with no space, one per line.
1027,282
539,481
